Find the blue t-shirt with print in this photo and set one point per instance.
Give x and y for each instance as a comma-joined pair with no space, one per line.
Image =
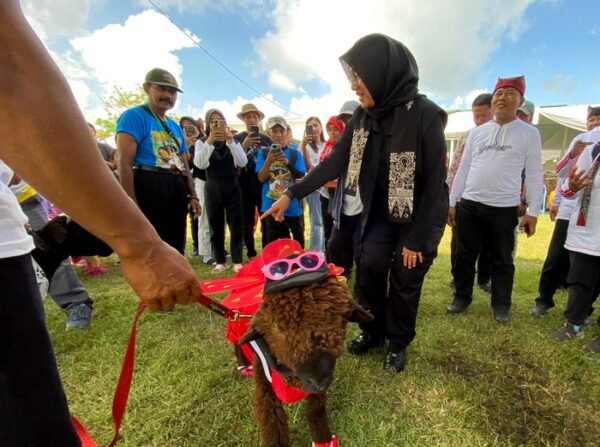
156,147
280,178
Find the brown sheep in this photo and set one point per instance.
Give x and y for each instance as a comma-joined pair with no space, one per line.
304,328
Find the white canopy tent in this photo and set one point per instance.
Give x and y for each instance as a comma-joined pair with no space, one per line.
558,125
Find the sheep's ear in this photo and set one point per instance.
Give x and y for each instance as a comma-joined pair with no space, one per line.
252,334
358,314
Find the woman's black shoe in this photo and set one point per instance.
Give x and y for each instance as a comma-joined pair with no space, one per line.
395,361
364,343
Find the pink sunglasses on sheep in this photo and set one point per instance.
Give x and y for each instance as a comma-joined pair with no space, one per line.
282,268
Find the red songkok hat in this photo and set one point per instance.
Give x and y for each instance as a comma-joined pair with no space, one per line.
517,83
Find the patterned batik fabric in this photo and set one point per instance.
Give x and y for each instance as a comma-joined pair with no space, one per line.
357,149
401,185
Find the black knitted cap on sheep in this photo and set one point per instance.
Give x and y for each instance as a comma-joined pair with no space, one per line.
298,278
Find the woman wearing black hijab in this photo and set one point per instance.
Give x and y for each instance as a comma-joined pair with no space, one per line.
394,152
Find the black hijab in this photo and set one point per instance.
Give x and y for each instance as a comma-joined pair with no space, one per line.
387,68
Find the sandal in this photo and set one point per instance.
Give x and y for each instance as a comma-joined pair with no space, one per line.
220,268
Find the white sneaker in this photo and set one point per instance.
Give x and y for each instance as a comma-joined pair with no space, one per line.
237,267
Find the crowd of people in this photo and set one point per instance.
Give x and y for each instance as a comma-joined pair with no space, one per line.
377,191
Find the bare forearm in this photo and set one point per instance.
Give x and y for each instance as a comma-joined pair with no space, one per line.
62,171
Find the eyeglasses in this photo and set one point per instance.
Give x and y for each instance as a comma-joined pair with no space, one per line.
353,78
282,268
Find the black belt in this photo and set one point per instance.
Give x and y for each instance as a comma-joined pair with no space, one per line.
159,170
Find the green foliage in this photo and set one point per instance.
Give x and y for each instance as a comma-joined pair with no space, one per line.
469,381
116,103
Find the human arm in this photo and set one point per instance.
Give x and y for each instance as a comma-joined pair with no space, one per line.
193,198
262,169
237,151
578,177
202,154
327,170
73,176
127,146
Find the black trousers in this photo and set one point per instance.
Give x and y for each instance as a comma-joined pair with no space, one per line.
555,265
479,223
162,197
33,406
584,286
250,206
484,263
223,202
343,243
275,230
395,309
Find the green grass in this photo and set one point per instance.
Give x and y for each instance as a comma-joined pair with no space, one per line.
469,381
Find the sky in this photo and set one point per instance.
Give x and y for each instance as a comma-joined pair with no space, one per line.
283,55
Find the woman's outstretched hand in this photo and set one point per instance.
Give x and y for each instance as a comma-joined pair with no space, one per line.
278,209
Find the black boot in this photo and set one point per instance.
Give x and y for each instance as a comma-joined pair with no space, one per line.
364,343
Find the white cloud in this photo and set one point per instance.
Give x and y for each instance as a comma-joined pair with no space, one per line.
451,40
52,18
145,40
465,101
279,80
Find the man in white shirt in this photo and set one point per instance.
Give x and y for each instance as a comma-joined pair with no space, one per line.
488,183
556,265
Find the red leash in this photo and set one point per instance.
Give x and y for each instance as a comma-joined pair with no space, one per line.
126,376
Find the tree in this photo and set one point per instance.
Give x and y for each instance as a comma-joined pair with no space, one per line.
116,103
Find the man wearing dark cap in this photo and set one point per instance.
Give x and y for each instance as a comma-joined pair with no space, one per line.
488,183
153,168
251,187
277,168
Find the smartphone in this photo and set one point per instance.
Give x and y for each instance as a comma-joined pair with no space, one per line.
219,125
190,130
276,148
309,130
255,131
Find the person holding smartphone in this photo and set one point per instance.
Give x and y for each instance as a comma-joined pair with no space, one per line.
277,169
252,141
312,146
221,155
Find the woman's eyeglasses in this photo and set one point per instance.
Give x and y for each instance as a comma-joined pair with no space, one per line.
282,268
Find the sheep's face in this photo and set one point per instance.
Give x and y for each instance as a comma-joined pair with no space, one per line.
305,329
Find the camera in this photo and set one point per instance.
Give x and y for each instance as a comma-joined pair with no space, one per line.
255,131
309,130
276,148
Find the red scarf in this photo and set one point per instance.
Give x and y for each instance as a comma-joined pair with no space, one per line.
330,143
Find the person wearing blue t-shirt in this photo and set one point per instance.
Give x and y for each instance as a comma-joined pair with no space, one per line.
278,168
153,167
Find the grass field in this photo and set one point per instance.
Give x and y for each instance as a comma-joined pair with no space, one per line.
469,381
